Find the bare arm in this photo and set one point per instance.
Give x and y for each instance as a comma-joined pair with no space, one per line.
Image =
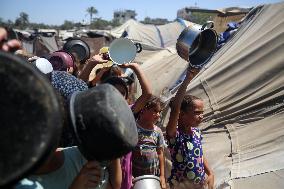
99,76
210,174
176,103
115,174
161,157
145,86
90,64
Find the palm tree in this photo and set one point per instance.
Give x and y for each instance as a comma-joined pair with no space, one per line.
23,20
91,11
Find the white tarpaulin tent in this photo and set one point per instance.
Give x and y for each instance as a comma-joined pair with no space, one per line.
162,36
243,90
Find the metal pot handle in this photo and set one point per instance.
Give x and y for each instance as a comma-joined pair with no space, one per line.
138,47
207,25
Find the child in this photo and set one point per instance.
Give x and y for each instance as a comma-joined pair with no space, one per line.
188,163
121,86
148,156
67,168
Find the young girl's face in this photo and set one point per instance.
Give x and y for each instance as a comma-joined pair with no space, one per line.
152,114
194,117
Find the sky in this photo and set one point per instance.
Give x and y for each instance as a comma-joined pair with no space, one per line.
56,11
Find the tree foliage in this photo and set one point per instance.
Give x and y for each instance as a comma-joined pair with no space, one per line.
92,11
22,21
201,18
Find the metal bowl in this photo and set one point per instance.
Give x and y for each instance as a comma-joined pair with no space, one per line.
146,182
79,47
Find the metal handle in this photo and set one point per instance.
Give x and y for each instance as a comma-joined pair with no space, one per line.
208,24
138,47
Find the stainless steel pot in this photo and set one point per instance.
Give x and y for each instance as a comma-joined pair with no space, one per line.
123,50
147,182
197,44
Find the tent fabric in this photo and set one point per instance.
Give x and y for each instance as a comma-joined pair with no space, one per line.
158,36
242,88
50,43
261,181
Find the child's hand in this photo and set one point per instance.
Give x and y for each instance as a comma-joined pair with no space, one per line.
70,70
98,59
132,182
163,182
88,177
8,45
192,72
128,65
33,58
210,181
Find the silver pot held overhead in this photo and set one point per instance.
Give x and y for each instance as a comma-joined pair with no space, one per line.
197,44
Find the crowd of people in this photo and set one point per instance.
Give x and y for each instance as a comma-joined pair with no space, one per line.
70,166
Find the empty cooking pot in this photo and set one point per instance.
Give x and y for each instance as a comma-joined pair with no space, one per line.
79,47
61,60
30,121
103,123
146,181
197,44
123,50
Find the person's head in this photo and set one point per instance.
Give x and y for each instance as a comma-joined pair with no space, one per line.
191,111
119,84
151,111
113,71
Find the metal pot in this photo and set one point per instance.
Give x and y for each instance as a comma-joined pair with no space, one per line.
107,118
79,47
147,182
123,50
197,44
61,60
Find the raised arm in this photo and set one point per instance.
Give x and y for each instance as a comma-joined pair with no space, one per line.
161,157
176,103
90,64
99,76
145,87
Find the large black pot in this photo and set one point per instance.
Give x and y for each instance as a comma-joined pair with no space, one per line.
103,123
79,47
30,120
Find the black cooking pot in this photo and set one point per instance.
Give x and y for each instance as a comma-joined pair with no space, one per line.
79,47
30,120
103,123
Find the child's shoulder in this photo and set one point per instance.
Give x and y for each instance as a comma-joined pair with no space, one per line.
196,132
195,129
158,129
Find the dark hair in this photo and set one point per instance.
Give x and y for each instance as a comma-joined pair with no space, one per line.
188,103
117,81
154,102
113,71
